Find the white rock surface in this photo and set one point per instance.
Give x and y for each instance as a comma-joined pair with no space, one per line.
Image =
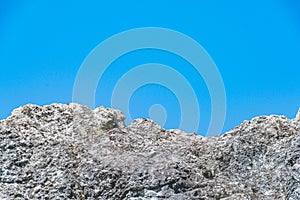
298,116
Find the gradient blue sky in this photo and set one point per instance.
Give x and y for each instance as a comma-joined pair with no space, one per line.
255,44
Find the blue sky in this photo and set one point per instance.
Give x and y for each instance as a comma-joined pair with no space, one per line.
255,44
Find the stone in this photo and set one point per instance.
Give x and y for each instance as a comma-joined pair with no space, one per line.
298,115
67,151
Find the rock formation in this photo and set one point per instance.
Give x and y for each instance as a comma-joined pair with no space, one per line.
71,152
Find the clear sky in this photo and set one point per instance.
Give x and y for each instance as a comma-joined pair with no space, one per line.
255,45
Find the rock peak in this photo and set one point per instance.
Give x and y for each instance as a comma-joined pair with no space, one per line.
298,116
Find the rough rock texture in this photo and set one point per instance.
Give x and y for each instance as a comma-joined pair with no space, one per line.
71,152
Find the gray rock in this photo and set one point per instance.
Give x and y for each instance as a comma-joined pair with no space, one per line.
71,152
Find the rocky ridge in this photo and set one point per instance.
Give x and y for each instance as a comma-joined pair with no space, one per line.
67,151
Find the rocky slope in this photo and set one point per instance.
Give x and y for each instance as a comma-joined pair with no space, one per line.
71,152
